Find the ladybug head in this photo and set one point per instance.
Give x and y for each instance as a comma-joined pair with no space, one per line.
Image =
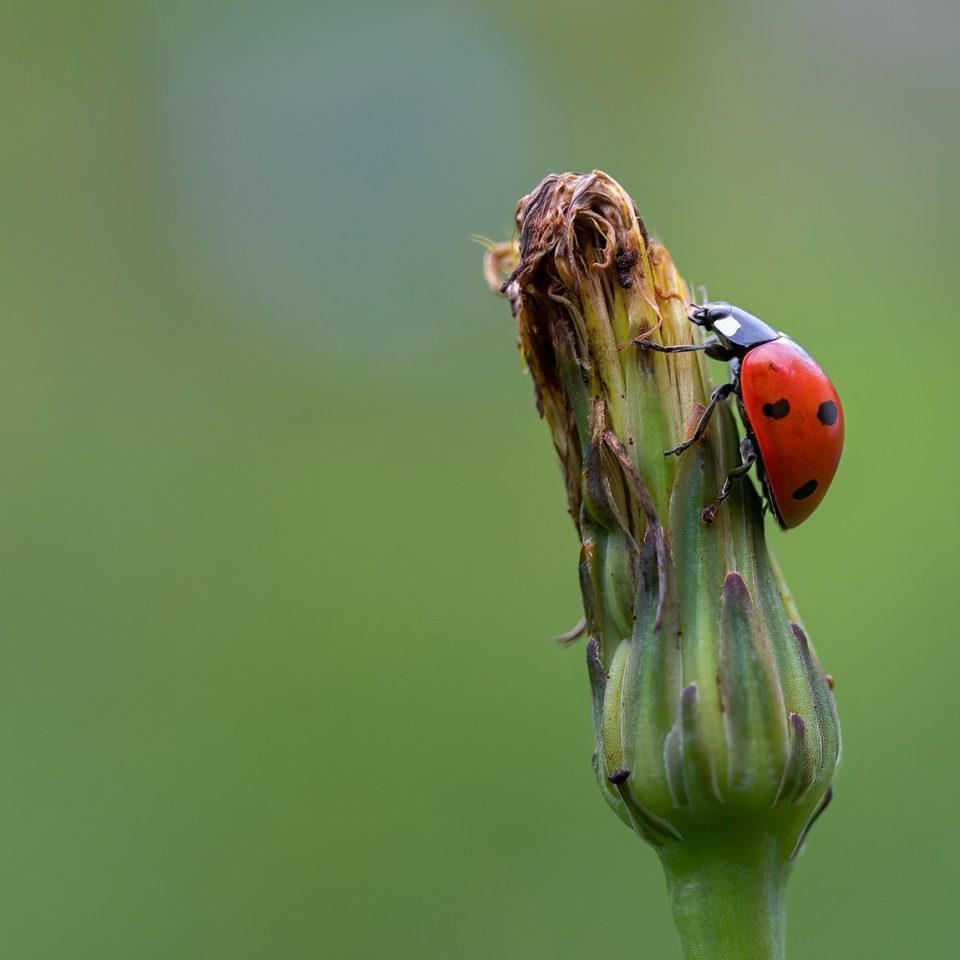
708,314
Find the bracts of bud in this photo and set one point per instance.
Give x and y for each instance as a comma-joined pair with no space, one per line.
716,730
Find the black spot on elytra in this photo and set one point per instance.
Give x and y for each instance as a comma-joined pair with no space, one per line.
619,776
827,413
801,493
778,410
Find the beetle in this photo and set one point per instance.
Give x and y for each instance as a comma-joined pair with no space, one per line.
789,407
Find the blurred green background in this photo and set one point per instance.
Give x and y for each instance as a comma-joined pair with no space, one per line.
283,542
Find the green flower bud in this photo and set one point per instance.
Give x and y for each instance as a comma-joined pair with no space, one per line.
716,730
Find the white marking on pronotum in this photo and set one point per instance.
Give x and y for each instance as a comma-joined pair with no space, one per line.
728,326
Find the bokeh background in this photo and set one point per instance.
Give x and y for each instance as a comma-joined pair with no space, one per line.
282,542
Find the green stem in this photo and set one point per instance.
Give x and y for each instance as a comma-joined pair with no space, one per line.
728,898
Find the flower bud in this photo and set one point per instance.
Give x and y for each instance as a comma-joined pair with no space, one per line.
716,731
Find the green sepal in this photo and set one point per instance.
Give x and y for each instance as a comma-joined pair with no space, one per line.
751,700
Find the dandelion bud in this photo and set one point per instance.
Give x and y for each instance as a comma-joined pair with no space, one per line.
716,731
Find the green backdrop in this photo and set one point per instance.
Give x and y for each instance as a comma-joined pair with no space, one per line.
282,542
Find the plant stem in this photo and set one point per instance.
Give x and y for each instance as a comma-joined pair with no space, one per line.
728,898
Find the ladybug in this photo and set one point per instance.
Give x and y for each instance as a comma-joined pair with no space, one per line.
791,411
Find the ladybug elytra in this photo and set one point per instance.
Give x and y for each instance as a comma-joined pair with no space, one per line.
790,409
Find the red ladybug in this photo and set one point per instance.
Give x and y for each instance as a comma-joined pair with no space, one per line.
791,411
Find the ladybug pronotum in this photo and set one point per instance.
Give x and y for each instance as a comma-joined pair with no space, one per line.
790,409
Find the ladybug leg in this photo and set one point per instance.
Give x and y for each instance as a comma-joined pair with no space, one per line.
721,393
711,346
748,457
660,348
